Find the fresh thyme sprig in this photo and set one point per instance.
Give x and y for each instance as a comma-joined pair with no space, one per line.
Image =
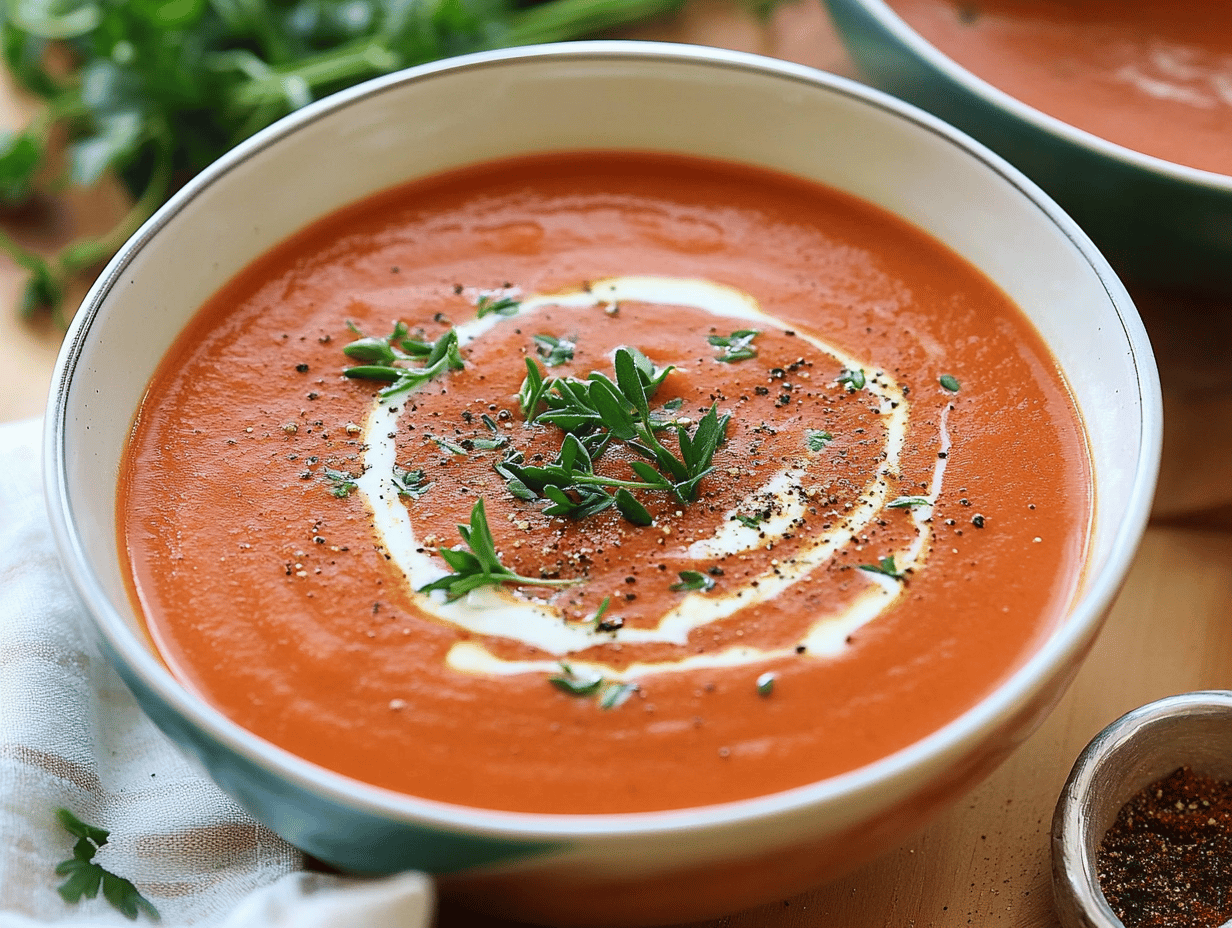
385,358
85,877
617,409
480,565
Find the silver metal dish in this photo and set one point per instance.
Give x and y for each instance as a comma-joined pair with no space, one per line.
1141,747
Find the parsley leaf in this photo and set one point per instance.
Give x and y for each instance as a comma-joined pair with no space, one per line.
412,483
490,304
574,683
816,439
85,877
554,351
908,502
948,382
692,580
736,347
480,565
853,380
611,694
885,566
341,483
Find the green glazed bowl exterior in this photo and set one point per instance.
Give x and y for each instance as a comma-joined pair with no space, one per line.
1155,221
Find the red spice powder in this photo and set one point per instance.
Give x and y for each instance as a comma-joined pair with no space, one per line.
1166,862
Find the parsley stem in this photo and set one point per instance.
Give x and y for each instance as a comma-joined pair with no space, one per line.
566,19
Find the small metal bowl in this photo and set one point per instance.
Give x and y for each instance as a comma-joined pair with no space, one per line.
1141,747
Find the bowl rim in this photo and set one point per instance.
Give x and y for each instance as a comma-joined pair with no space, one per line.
968,80
1063,644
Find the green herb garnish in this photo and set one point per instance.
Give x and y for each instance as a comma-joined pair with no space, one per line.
816,439
385,359
885,566
948,382
736,347
765,684
554,351
748,521
853,380
490,304
480,565
446,445
152,92
602,625
498,438
412,483
85,877
692,580
574,683
908,502
593,412
611,693
614,695
341,483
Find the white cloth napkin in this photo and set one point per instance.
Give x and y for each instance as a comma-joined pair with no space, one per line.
72,736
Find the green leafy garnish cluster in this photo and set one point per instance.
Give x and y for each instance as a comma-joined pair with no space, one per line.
387,359
597,410
155,90
480,565
85,877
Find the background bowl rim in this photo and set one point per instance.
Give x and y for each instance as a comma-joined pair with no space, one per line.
1038,119
1063,644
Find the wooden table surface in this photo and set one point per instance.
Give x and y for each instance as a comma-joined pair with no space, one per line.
984,863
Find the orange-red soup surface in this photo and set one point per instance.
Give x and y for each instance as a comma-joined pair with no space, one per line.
1152,76
268,591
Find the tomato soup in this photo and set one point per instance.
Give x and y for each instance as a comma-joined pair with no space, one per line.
604,482
1151,76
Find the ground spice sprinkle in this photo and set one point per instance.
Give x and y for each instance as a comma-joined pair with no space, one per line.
1166,862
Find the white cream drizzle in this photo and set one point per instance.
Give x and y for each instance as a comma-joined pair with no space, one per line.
499,612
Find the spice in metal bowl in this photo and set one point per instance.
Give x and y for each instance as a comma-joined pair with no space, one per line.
1166,862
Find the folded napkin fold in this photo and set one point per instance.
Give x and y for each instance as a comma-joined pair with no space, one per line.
72,736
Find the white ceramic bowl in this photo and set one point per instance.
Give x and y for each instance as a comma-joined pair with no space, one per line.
602,869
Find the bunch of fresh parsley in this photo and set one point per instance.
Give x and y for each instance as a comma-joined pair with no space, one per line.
154,90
